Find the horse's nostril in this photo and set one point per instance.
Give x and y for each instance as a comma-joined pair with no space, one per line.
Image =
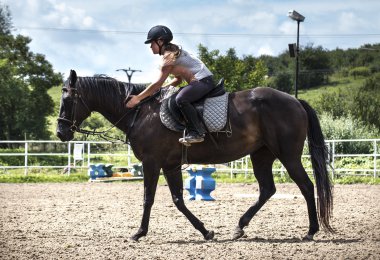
60,135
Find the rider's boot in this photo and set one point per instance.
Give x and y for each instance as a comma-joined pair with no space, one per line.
195,132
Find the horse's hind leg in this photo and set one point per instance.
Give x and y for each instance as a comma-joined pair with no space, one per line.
175,182
299,176
262,162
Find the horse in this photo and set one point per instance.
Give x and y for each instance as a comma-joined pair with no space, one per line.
266,124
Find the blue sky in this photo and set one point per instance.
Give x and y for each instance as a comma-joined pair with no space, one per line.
102,36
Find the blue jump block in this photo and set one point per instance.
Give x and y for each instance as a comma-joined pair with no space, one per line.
200,184
137,170
99,170
190,184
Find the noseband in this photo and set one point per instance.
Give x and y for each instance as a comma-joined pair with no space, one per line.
72,121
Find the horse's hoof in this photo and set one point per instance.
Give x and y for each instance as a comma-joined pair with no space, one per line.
137,236
308,238
238,233
134,238
209,235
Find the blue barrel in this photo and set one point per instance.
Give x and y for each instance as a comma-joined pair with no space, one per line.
200,184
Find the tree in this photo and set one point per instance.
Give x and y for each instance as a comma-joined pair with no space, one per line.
315,67
238,73
282,81
25,78
5,20
366,104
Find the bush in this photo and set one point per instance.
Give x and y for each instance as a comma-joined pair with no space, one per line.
347,128
360,72
366,103
336,104
282,82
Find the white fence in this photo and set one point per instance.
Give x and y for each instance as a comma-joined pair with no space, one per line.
80,154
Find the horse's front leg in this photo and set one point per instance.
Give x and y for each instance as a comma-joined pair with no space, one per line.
175,182
151,174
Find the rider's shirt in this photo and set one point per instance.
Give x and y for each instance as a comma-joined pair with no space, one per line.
186,66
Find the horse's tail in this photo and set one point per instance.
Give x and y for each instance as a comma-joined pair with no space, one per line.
318,154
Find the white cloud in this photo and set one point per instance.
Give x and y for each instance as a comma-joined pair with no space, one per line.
104,52
267,50
348,21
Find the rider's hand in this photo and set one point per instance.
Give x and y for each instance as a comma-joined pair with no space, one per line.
133,101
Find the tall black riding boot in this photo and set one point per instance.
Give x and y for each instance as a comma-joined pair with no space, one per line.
193,125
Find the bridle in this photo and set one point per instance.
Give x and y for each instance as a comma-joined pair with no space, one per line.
77,97
72,121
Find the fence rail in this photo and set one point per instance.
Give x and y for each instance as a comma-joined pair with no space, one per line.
84,152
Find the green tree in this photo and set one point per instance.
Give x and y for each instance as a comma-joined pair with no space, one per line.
238,73
25,78
315,67
337,104
5,20
282,81
366,104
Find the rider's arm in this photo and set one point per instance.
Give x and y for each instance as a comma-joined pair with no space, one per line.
151,89
174,82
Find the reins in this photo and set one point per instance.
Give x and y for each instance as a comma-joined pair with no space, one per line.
102,134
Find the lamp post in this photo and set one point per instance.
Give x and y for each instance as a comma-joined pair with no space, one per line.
129,73
298,18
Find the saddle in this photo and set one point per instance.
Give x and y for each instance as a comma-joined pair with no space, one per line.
212,109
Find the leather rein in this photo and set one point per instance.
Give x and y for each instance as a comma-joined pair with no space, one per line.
102,134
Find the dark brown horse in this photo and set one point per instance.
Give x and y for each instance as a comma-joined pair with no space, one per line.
266,124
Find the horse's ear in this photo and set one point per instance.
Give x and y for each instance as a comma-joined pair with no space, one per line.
73,78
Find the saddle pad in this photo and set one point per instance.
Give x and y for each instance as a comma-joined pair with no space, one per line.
214,114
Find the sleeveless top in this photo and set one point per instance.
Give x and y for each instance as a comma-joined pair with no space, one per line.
189,63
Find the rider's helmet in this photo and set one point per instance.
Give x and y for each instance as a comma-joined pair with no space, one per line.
159,32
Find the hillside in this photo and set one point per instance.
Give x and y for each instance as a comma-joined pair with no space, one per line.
347,85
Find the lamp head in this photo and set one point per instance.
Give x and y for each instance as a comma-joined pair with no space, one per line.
294,15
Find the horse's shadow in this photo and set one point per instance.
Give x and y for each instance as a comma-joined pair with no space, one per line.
294,240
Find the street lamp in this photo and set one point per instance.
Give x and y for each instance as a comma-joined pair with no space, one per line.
129,73
299,18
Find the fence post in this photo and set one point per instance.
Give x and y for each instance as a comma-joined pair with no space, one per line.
333,159
88,154
129,155
246,167
26,159
374,159
68,158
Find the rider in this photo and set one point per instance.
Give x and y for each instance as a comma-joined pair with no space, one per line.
183,66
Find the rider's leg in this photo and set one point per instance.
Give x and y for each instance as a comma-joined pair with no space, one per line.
194,128
191,93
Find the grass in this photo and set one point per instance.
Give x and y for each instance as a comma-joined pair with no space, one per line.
343,84
42,178
221,177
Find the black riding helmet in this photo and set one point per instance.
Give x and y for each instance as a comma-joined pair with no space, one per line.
159,32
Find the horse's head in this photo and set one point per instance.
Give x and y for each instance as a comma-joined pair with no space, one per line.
72,110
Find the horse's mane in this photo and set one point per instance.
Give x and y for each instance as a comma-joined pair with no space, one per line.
101,86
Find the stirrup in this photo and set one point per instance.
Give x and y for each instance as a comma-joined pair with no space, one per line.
183,139
184,142
190,139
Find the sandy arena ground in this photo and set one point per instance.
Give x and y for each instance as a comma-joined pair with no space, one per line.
95,221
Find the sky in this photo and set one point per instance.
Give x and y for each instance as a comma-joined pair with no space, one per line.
99,37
